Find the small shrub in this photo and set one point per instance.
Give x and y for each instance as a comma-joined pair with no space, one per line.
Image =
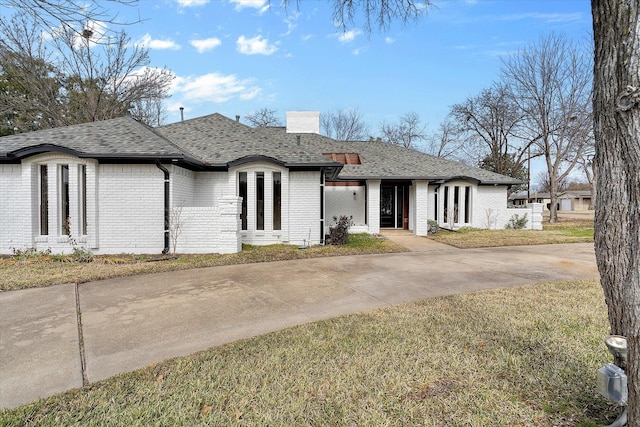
29,253
516,222
432,227
81,255
339,233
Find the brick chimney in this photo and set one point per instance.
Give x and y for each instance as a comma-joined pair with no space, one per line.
303,122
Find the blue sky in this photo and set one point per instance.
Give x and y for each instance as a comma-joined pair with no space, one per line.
238,56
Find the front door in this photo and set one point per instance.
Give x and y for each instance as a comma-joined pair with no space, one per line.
394,202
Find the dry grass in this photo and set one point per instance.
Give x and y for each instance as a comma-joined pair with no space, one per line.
37,271
522,356
566,230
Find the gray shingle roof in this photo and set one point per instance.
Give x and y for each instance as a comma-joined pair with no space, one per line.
120,137
216,141
387,161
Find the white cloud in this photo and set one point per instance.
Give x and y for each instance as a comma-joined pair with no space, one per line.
150,43
192,3
255,45
389,40
205,45
261,5
291,23
348,36
213,87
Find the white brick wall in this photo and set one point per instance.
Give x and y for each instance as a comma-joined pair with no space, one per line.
373,205
131,209
345,200
209,229
421,207
489,207
182,188
304,208
12,208
210,187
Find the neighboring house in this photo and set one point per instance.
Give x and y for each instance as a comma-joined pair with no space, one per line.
211,184
567,200
522,198
574,200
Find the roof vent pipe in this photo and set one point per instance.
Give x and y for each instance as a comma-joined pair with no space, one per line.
182,114
298,139
237,118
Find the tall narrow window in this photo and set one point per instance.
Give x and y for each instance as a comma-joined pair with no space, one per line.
467,204
259,200
44,201
435,205
242,192
445,200
277,200
64,200
456,204
83,199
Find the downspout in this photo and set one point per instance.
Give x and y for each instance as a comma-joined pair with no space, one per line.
322,183
166,206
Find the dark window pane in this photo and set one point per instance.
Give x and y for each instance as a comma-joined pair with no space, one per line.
259,200
44,201
242,192
456,204
446,204
467,205
277,200
83,192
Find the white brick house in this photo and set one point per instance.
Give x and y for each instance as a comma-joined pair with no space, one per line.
210,184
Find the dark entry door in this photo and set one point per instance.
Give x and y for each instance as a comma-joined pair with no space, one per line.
394,204
388,206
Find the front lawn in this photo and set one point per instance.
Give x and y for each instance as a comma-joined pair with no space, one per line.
30,269
566,230
523,356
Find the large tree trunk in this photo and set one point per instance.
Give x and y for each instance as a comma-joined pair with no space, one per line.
616,25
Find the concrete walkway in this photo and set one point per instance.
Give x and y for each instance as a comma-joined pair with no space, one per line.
57,338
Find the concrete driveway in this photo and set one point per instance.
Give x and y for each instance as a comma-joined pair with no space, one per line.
57,338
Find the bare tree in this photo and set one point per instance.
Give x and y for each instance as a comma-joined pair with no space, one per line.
487,121
544,183
80,16
588,166
75,81
30,83
616,108
344,125
445,142
377,13
407,131
263,117
551,85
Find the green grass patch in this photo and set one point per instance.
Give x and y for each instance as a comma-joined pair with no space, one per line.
31,269
523,356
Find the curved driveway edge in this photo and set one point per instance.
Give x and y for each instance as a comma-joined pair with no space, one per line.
131,322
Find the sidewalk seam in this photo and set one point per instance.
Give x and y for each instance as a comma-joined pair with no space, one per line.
83,359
